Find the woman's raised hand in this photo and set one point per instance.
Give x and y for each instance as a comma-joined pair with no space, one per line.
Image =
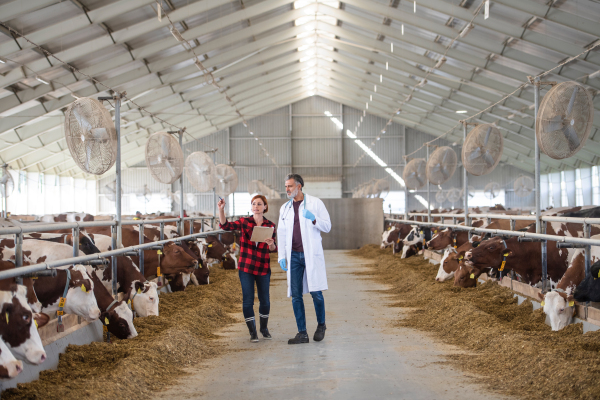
221,204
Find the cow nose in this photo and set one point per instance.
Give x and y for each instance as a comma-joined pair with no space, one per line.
19,368
43,358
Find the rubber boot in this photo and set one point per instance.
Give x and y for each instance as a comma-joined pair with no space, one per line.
252,328
263,327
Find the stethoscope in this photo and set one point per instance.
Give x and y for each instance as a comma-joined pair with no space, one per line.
288,207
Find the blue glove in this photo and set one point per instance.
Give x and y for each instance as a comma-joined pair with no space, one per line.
282,263
308,215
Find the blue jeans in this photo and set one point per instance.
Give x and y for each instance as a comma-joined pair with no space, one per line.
297,268
262,285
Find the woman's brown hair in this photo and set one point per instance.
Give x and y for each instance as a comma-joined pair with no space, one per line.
263,198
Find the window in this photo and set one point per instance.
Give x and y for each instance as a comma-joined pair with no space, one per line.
578,188
239,204
394,201
595,186
550,196
564,199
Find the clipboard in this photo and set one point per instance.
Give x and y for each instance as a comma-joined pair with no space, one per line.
261,233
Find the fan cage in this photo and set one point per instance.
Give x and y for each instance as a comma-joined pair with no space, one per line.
442,156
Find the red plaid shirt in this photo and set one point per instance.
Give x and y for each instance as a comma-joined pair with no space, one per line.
254,257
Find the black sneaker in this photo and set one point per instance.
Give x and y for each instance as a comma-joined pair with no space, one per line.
253,337
301,337
319,333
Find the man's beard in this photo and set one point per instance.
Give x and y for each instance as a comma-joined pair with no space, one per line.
293,194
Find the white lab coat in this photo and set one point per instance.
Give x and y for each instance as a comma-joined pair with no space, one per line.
315,277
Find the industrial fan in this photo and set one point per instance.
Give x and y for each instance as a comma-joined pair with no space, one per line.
564,120
523,186
91,135
482,149
415,175
164,157
227,180
453,195
145,196
491,190
440,196
110,191
441,165
380,188
200,171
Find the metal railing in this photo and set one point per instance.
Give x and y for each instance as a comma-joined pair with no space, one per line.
584,242
97,258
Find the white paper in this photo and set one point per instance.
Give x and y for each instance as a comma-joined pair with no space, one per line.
261,233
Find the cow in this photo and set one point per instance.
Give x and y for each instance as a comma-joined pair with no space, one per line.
589,287
213,251
452,258
86,242
10,367
17,327
130,281
441,239
67,217
417,237
115,315
7,261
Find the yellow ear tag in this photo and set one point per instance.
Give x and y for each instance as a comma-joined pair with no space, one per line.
36,324
139,291
598,274
460,257
502,266
104,328
571,303
61,302
158,252
83,288
158,271
506,254
472,276
543,303
6,314
210,245
105,321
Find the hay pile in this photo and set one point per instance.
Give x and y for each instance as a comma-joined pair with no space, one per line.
509,344
180,337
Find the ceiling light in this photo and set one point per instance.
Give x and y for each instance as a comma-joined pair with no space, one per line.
375,88
486,10
252,133
41,80
386,65
461,112
350,134
392,45
370,98
367,106
402,30
380,78
415,7
2,61
594,74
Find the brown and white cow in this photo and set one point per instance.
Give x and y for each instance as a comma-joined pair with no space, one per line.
67,217
86,242
10,367
213,251
452,258
17,327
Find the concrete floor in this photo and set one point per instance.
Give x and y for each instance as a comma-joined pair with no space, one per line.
362,357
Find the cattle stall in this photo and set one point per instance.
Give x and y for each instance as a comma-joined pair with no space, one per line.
70,329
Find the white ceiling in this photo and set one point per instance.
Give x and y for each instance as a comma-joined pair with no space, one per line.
265,54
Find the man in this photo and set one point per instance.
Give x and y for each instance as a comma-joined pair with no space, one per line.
138,215
301,221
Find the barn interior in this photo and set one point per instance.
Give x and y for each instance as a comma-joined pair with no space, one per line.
124,122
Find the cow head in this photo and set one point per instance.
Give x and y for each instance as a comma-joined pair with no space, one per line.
120,321
448,265
200,276
87,245
175,260
556,307
211,248
10,367
441,239
178,282
389,237
466,275
589,288
79,301
489,253
18,329
415,238
145,298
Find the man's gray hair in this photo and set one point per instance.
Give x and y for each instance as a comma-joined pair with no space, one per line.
297,178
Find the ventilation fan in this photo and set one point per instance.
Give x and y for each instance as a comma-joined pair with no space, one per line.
564,120
7,184
91,135
440,196
441,165
227,180
110,191
190,200
381,188
164,157
453,195
145,196
523,186
415,175
482,149
200,171
491,190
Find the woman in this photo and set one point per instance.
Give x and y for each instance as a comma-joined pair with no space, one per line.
254,263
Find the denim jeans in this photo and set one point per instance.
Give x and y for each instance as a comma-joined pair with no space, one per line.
297,268
262,285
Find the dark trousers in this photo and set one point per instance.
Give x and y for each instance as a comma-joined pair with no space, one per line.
262,285
297,268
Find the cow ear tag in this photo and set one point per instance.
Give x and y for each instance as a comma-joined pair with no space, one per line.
36,324
506,254
472,276
571,303
83,288
460,257
598,274
6,314
158,252
543,303
139,291
104,328
210,245
105,321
